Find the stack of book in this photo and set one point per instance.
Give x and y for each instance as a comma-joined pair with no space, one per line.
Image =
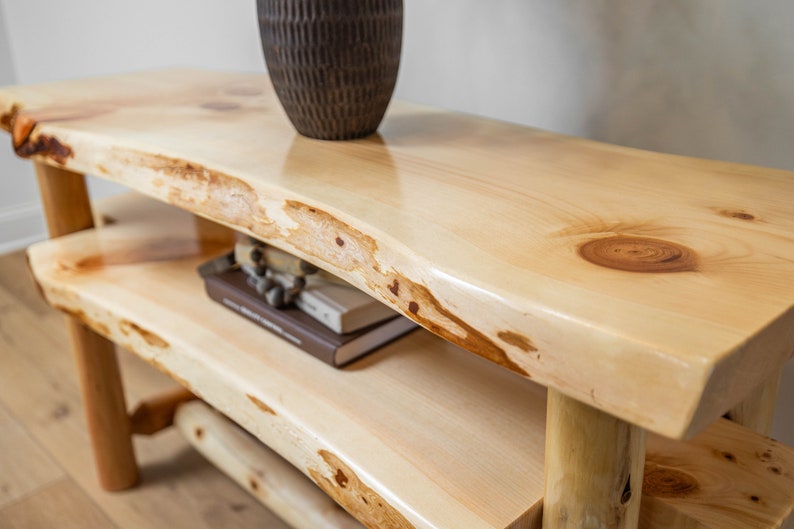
327,318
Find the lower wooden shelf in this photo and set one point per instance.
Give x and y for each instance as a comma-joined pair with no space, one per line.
418,434
279,486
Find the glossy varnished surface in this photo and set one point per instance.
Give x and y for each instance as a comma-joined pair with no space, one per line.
418,435
653,287
47,478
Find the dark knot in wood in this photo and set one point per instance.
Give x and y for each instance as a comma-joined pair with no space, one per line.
639,254
669,483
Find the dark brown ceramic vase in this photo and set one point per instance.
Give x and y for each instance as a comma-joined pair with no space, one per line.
333,63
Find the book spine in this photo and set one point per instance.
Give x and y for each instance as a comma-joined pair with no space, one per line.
269,318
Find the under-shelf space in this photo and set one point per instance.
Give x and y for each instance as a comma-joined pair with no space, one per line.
420,433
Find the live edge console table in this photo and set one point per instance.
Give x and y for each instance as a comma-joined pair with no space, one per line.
578,296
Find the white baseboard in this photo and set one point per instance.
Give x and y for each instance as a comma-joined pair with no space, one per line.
20,226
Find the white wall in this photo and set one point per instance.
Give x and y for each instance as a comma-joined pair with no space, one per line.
59,40
21,219
710,79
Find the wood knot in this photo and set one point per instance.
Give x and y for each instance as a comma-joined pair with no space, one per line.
639,254
517,340
341,478
741,215
7,118
728,457
669,483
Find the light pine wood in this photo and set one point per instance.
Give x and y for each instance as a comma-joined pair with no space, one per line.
425,451
727,477
213,232
669,353
157,413
757,411
594,468
64,197
106,409
670,275
38,385
68,210
262,472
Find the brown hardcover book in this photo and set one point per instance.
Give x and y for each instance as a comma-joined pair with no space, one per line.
232,290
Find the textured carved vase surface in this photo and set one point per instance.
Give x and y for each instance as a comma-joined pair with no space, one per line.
333,63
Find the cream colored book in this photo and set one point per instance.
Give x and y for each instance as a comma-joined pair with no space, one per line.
342,309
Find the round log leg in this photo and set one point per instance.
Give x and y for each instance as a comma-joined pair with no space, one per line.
594,468
758,409
68,209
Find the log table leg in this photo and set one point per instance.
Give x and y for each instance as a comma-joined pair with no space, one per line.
64,196
68,209
209,231
106,410
757,411
594,468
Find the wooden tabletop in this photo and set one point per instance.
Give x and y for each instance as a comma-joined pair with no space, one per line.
657,288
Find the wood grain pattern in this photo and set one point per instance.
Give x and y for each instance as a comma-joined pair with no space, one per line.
105,407
442,214
38,384
439,451
464,449
727,477
757,411
594,468
64,197
37,372
259,470
68,210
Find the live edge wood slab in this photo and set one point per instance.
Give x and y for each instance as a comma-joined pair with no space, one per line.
655,288
646,291
421,434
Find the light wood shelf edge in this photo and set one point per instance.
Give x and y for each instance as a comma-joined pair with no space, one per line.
726,477
263,473
160,133
497,414
395,454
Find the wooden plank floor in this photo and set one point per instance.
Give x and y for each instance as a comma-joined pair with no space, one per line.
46,470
